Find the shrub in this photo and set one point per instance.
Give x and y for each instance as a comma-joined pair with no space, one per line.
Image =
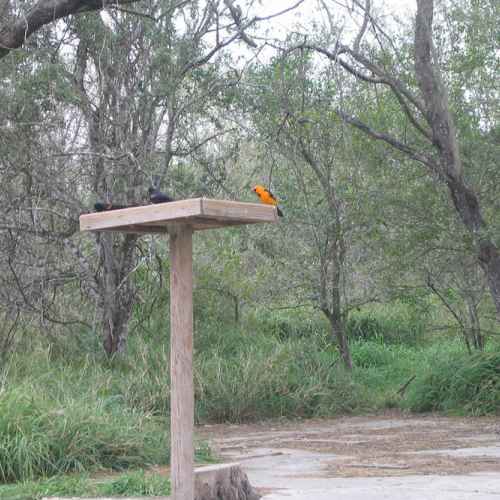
292,378
464,384
398,323
366,354
62,420
291,324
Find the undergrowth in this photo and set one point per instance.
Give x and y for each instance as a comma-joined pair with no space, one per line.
64,413
137,482
463,384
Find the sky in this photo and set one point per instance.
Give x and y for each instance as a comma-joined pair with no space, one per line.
398,7
305,13
403,9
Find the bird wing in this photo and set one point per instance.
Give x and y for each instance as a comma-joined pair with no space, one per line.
271,195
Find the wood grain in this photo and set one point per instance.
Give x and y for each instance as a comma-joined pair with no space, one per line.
181,362
200,213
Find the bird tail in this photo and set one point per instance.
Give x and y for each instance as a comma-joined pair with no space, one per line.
105,207
280,213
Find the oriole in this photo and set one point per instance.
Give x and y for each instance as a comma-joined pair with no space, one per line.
267,197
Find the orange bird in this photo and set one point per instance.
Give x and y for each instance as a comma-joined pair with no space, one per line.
267,197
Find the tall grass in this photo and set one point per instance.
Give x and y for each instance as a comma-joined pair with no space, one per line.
67,413
399,323
462,384
63,420
291,378
243,375
137,483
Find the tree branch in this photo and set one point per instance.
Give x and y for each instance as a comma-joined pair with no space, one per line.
431,86
362,30
381,76
404,148
236,15
13,34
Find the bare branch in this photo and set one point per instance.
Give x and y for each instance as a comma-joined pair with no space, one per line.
221,44
187,152
118,8
329,15
404,148
362,30
413,120
236,15
279,13
446,303
397,87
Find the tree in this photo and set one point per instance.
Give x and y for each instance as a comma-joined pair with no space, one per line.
315,167
16,26
120,125
433,140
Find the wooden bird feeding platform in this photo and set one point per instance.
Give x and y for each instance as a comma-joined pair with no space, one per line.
179,219
198,213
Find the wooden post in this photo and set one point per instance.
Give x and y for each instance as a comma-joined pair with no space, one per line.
180,218
181,362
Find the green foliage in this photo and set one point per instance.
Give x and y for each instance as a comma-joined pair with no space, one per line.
131,483
146,385
59,415
63,412
260,380
291,324
247,374
463,384
136,483
383,369
398,322
41,436
75,485
374,354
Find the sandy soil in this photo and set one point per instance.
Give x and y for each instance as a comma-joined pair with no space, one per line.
392,444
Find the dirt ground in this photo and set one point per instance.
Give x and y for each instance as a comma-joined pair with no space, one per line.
393,444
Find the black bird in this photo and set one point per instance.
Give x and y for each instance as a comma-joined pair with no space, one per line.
104,207
156,196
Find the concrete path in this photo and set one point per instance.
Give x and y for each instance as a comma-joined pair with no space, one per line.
298,475
367,458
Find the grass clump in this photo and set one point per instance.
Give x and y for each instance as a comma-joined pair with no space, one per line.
56,423
136,483
267,380
464,384
399,323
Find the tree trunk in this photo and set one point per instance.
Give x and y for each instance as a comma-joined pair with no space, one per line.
223,482
330,292
115,328
475,326
489,260
467,206
236,303
117,290
339,333
440,120
337,325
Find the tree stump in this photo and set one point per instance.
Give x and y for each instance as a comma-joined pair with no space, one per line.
223,482
211,482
